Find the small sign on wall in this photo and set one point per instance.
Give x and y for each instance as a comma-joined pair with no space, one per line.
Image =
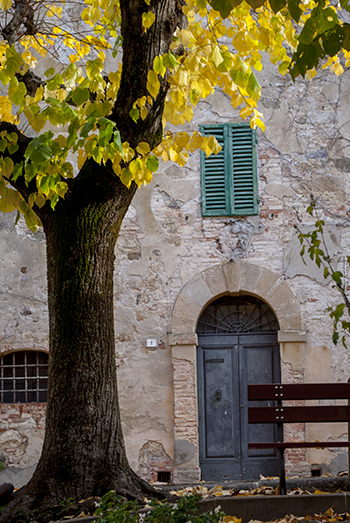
151,342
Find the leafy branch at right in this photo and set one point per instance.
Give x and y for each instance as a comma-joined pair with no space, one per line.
313,242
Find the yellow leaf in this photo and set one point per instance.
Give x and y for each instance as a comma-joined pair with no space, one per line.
185,36
148,19
5,4
264,36
143,148
337,68
153,84
216,57
29,59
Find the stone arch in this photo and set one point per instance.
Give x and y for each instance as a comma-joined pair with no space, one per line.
236,277
230,278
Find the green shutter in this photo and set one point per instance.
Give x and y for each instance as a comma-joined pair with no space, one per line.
244,197
215,196
229,179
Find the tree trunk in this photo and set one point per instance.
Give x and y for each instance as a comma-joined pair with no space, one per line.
83,453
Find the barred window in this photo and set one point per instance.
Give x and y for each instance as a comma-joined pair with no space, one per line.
23,377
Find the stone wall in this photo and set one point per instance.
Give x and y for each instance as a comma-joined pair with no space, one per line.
165,244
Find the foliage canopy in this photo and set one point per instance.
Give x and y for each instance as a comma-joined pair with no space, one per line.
221,46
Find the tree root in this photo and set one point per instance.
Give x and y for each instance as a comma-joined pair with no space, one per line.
29,505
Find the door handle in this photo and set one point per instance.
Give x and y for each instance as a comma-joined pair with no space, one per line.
218,394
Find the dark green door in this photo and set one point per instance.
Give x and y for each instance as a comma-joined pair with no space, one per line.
227,362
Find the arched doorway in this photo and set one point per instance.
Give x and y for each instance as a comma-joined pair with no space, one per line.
237,345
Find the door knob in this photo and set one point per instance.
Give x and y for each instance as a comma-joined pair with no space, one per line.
218,394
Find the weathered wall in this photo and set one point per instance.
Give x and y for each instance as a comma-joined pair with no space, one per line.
165,243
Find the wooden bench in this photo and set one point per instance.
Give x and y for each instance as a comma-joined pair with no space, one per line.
281,414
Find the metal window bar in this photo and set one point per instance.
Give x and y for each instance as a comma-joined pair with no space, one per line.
23,377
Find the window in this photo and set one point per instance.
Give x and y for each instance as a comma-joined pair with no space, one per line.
229,179
23,377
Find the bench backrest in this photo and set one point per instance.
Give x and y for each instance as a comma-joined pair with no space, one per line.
298,414
299,391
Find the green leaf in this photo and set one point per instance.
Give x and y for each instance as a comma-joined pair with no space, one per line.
41,154
326,272
54,200
226,64
239,77
158,66
345,4
152,163
80,96
45,184
118,140
294,9
224,6
337,277
277,5
14,61
55,82
309,32
50,72
305,58
18,96
170,61
253,87
346,39
105,135
256,3
4,78
74,125
333,41
94,67
326,19
135,114
87,127
12,148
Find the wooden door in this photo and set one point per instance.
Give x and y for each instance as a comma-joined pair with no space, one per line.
226,363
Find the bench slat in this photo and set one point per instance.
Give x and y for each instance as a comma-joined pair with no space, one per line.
298,444
317,414
298,391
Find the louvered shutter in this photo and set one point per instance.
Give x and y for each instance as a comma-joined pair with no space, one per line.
244,195
215,193
229,179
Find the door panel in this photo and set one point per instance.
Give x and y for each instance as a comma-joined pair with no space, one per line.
224,370
219,418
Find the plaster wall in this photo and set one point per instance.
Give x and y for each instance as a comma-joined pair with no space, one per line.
165,243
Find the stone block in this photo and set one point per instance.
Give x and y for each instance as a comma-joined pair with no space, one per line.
291,323
284,303
291,336
233,272
215,279
250,277
179,324
293,353
266,282
189,310
185,352
197,290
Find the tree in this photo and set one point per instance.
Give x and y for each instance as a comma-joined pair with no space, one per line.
79,182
